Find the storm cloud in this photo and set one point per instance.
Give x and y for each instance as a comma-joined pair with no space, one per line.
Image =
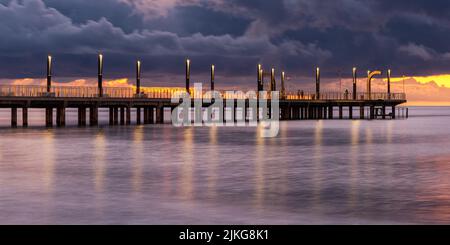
294,35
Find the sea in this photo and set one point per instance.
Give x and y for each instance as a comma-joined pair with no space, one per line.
313,172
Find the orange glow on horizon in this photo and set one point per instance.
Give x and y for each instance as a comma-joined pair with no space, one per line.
441,80
421,90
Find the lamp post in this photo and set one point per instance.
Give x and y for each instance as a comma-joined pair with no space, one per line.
188,74
138,77
389,83
100,75
317,83
49,73
212,77
355,78
273,85
259,78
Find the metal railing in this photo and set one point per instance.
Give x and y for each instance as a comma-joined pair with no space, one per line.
167,93
344,96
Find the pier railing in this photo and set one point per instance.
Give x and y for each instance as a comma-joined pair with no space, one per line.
344,96
167,93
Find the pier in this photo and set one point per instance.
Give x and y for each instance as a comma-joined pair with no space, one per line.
149,104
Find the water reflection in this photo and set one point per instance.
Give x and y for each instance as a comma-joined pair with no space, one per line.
48,153
317,165
259,164
99,160
338,172
138,158
187,161
212,165
354,167
432,196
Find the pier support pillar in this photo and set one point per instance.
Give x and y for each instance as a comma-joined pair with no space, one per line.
93,116
49,117
81,116
361,112
372,112
296,113
341,114
393,112
111,115
138,116
383,112
146,115
151,116
61,116
25,117
330,112
128,116
14,117
350,112
284,113
160,114
116,115
122,115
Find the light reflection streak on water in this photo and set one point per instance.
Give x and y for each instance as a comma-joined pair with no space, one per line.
138,158
259,169
212,165
317,165
354,167
99,161
387,172
48,153
186,183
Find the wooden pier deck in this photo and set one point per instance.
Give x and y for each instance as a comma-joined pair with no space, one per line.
150,103
149,106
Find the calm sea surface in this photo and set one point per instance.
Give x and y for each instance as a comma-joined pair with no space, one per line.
315,172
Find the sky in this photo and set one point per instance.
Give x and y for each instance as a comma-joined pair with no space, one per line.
408,36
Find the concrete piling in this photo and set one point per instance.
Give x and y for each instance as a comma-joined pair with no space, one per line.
60,116
49,117
122,115
14,117
111,115
81,116
25,117
116,115
138,116
128,116
151,116
93,116
160,114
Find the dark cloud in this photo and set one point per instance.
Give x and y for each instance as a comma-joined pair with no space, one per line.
296,35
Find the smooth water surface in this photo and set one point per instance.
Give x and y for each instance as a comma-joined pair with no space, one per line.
315,172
